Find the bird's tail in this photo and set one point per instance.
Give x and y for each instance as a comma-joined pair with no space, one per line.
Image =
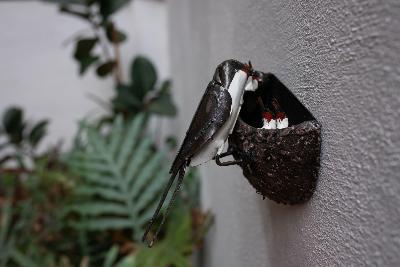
181,172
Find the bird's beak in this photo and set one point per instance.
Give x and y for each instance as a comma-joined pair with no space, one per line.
248,68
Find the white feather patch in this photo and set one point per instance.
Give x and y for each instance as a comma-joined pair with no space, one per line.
269,124
281,124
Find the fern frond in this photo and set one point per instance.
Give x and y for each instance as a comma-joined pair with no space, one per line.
111,256
129,141
140,154
98,208
150,191
102,224
122,175
108,193
115,136
148,170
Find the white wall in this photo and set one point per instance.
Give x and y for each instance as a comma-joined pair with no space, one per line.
38,73
341,58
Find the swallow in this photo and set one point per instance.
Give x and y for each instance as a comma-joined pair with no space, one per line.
211,126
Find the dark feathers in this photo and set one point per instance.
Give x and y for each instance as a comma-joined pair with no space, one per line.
212,112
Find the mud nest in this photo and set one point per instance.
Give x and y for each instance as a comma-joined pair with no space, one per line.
281,164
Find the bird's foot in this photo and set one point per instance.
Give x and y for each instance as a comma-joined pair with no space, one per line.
227,163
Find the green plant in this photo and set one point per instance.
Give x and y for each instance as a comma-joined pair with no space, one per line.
122,175
20,137
141,94
6,242
104,34
32,229
173,249
119,174
9,252
89,208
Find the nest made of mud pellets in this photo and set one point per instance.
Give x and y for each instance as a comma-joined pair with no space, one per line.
281,164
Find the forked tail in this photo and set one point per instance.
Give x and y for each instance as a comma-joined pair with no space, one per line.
160,204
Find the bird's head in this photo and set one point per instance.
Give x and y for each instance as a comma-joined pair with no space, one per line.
248,68
227,70
253,79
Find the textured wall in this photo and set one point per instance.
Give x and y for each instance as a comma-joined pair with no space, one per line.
342,59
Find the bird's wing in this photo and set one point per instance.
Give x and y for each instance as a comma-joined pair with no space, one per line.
213,111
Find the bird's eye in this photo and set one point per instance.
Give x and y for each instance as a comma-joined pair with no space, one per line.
218,83
257,76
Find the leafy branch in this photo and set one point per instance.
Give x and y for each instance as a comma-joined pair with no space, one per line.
141,93
97,14
21,138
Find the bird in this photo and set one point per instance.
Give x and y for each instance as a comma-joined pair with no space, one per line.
282,120
269,121
209,129
268,116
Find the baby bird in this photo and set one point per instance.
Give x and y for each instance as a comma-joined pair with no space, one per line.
282,120
269,121
268,117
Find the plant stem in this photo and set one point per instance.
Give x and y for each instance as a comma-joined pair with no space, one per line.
103,43
117,68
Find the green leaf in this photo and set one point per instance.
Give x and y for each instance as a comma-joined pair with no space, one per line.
102,224
89,166
121,177
5,222
22,260
108,7
83,54
115,136
84,47
173,250
7,238
143,151
98,208
162,104
105,68
101,191
129,141
126,99
111,256
38,132
149,169
127,261
149,192
86,62
143,75
78,13
114,35
13,124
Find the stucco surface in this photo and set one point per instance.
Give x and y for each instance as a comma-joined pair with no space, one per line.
342,60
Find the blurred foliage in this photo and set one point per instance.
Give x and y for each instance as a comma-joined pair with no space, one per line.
173,249
18,137
122,173
141,94
88,207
